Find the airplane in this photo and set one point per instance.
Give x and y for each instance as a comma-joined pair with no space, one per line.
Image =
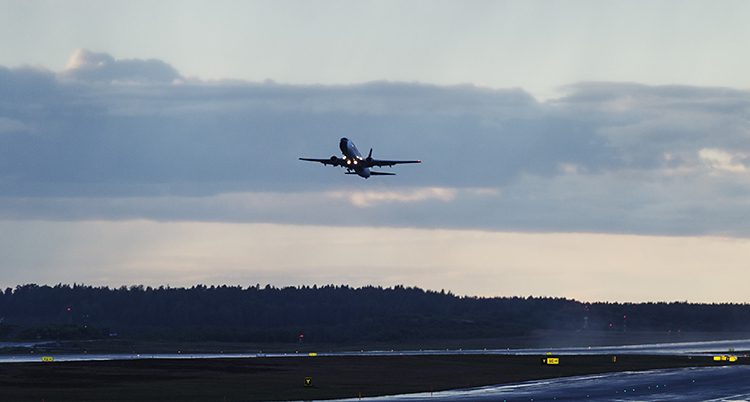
354,163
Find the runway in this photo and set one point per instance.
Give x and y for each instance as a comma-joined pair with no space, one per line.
694,348
726,384
665,372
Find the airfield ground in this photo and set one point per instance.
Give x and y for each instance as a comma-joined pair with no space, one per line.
253,379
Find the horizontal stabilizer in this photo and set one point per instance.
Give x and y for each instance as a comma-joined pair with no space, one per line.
382,173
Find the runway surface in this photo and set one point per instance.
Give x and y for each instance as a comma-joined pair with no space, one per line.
726,384
695,348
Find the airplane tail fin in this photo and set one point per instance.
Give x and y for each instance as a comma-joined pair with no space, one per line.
369,156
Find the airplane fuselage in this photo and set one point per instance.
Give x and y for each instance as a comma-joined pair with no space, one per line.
353,159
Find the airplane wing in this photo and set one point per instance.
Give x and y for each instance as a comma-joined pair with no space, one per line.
384,162
326,161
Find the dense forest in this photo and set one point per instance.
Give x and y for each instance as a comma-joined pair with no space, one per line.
327,314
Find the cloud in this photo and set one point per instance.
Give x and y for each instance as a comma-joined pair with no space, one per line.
717,159
12,126
364,199
85,65
604,157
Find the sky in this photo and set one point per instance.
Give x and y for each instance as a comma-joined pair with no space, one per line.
581,149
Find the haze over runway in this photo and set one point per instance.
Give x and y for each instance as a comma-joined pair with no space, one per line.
597,151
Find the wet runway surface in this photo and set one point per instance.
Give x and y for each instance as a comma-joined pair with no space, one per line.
730,383
726,383
695,348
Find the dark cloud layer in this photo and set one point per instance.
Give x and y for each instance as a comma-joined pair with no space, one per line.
117,139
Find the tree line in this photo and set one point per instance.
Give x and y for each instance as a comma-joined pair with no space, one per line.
328,314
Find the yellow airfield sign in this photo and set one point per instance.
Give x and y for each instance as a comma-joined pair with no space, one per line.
725,358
